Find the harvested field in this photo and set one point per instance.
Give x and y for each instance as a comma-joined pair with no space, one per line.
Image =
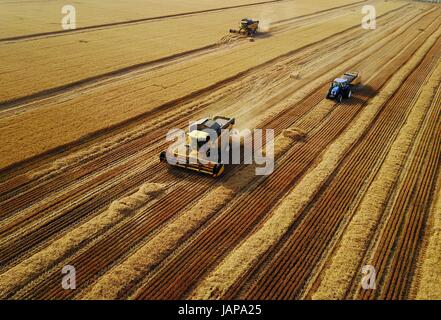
84,116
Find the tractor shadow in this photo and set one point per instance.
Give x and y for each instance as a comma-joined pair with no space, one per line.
361,95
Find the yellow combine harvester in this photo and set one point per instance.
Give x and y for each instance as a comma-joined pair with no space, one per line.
198,145
247,27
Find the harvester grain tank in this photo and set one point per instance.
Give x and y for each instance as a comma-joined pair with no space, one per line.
247,27
342,87
199,142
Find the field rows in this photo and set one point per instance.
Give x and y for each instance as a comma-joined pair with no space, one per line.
83,144
77,114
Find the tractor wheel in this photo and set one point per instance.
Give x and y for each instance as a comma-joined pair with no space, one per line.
163,156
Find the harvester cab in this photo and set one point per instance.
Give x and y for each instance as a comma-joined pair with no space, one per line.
204,135
342,87
247,27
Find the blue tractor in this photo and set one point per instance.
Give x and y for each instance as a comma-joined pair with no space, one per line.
341,88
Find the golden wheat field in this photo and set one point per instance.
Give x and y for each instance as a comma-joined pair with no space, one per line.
84,115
